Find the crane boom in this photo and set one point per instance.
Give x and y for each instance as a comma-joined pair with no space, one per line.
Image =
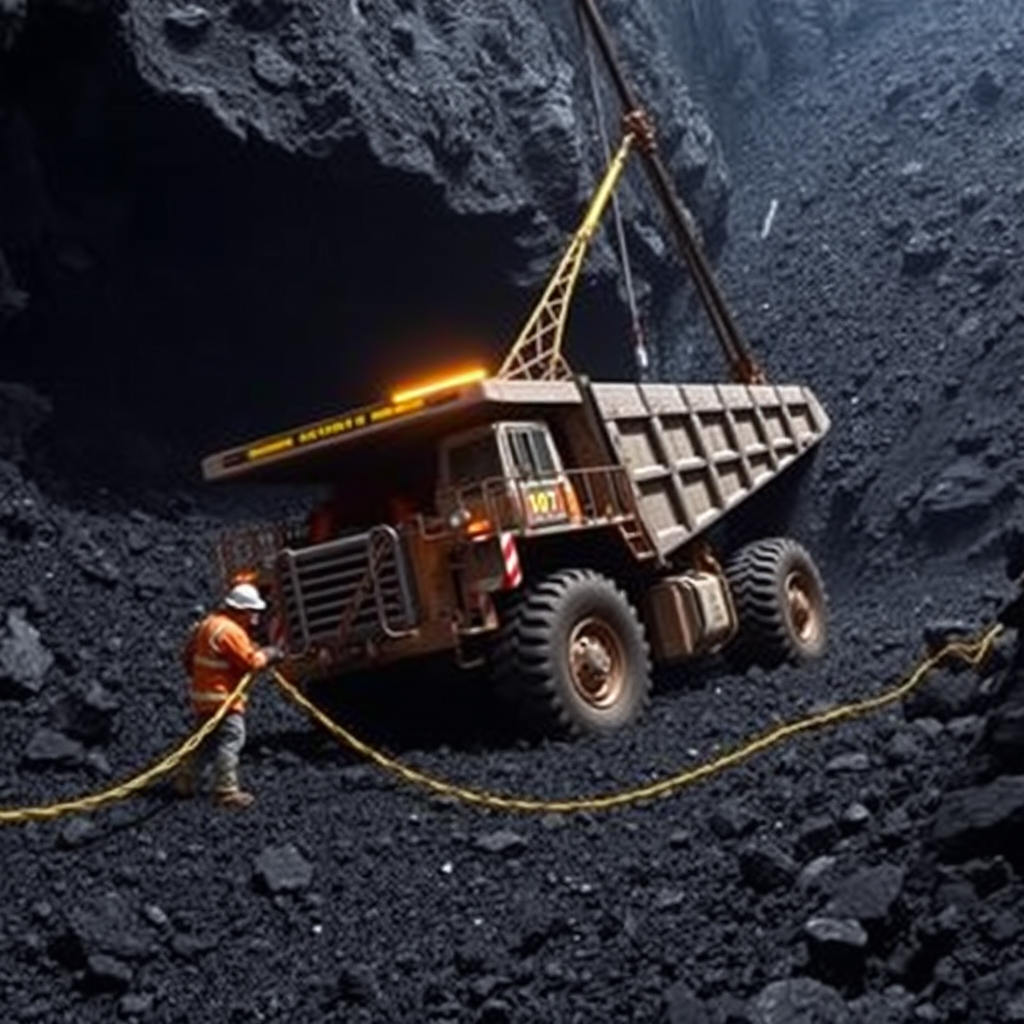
741,363
537,352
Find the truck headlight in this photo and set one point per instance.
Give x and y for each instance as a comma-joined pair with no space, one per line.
458,519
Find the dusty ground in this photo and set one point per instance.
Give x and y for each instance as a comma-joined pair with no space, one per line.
843,878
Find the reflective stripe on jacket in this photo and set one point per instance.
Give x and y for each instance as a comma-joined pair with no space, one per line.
223,652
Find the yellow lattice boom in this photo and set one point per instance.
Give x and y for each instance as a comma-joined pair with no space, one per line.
537,352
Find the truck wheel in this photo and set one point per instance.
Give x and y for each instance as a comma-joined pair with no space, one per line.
572,657
780,604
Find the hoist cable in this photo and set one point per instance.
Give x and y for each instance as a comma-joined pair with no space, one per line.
640,348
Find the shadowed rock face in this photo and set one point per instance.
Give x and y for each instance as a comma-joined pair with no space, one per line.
196,192
476,98
742,48
12,17
489,100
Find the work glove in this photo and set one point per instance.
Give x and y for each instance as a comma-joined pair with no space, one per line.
274,655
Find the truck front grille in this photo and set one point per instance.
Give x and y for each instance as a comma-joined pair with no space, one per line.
346,591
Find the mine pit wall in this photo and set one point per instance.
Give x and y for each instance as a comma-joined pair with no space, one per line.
168,279
204,226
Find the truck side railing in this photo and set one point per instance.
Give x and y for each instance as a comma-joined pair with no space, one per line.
596,497
253,548
603,496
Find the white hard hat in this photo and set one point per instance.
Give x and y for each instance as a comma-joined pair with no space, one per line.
245,598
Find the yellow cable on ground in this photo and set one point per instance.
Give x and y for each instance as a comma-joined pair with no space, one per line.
126,789
973,652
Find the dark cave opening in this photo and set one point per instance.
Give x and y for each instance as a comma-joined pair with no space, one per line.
191,290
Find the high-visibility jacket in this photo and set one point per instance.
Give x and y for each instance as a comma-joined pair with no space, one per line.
219,653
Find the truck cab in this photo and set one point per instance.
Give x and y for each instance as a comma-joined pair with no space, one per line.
505,475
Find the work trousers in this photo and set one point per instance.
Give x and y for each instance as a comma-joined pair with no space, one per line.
223,749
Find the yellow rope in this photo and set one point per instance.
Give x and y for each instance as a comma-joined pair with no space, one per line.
122,791
973,652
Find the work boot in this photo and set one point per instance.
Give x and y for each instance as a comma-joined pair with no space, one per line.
236,798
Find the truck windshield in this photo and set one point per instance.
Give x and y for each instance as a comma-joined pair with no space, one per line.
475,461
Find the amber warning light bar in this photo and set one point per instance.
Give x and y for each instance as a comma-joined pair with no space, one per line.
403,403
431,387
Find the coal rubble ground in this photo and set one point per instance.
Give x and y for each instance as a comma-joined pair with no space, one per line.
870,873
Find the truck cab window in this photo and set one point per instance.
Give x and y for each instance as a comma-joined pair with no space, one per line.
531,453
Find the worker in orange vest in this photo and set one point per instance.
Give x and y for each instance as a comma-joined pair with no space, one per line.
219,652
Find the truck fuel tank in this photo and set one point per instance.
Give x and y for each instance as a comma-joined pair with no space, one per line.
689,614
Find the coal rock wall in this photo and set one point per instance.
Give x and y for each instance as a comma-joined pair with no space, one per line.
741,50
218,217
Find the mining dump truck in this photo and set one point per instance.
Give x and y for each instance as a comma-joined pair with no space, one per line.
563,534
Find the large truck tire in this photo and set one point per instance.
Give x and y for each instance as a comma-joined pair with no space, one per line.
780,604
571,656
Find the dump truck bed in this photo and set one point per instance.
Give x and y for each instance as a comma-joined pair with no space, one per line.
695,451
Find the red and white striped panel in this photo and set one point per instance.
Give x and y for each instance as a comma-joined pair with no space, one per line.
513,571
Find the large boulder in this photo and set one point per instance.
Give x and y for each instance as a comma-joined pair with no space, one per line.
741,47
489,99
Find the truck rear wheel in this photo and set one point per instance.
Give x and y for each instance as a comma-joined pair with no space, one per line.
780,604
572,657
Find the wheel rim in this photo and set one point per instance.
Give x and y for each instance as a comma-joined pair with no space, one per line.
597,663
803,608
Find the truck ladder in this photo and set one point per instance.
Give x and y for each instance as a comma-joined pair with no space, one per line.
638,541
